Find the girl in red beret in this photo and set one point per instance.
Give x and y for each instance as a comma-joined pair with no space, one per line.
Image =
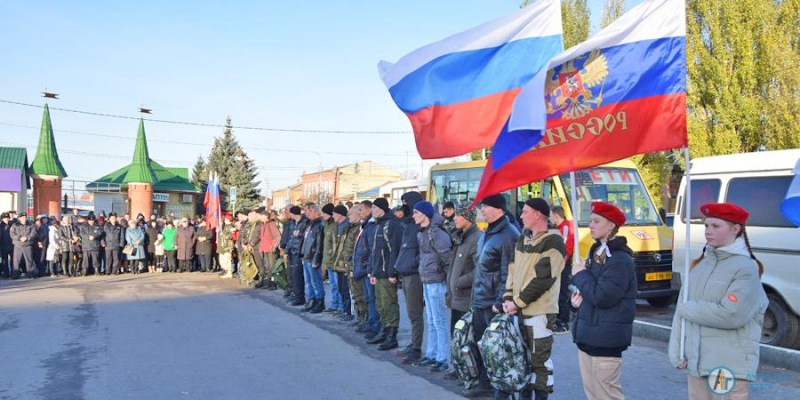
606,304
725,310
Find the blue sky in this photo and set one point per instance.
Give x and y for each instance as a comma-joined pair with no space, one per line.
309,65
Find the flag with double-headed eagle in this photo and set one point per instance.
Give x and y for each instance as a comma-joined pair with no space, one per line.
620,93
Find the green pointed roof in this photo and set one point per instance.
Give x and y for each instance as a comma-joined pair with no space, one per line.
140,169
46,161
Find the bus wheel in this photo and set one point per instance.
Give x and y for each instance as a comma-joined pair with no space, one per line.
662,302
781,326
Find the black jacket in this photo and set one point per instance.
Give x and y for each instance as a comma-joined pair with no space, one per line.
295,243
313,239
460,276
5,236
408,257
495,252
604,325
386,245
150,237
65,234
96,232
114,236
362,252
204,246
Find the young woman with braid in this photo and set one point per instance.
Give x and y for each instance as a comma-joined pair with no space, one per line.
725,309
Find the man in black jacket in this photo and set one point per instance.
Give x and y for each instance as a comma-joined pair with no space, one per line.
385,248
297,228
114,237
285,235
407,268
6,245
312,260
495,252
91,234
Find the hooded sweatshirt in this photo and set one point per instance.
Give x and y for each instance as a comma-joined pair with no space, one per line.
408,258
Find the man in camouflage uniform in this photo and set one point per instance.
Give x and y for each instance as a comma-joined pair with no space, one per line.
532,289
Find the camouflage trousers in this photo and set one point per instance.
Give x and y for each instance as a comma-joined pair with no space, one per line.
386,300
539,351
360,304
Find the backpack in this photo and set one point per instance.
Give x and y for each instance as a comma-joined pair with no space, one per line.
505,355
463,350
279,273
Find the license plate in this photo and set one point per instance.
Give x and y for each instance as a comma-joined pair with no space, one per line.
658,276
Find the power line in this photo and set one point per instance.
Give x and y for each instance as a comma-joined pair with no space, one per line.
253,128
208,145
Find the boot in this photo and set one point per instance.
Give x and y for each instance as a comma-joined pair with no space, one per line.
540,395
411,356
391,340
476,391
404,352
380,338
297,301
364,328
319,307
309,305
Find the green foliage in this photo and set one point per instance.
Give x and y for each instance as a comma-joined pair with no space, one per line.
575,16
199,174
235,168
612,10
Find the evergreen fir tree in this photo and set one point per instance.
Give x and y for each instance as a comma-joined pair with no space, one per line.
235,168
199,178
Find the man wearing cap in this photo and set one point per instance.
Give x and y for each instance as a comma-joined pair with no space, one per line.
532,289
385,247
495,252
6,245
460,277
313,239
23,235
362,268
346,228
113,236
294,252
91,235
328,254
407,267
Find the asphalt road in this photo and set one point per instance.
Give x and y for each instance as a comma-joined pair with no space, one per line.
195,336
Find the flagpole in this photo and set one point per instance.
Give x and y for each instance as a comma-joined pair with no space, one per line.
576,253
687,254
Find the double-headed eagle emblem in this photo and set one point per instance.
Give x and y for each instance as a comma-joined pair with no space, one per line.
575,88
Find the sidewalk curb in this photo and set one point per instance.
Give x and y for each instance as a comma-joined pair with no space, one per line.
775,356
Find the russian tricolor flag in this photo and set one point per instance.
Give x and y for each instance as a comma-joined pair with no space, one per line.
620,93
212,203
458,92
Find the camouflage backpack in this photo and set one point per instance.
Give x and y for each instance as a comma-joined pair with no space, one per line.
505,355
463,350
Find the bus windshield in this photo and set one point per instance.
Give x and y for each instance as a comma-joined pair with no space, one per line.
459,186
622,187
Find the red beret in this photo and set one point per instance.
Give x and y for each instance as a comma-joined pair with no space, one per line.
727,211
228,217
609,212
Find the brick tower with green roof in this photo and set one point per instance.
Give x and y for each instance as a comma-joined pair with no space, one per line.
140,177
47,171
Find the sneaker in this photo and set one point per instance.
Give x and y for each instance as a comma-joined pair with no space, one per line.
425,362
560,328
439,367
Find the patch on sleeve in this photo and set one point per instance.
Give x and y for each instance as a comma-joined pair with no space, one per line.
732,297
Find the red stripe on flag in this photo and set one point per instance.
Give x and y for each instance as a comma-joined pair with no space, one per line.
457,129
608,134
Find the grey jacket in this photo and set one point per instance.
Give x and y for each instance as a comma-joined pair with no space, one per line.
17,231
459,278
434,251
724,314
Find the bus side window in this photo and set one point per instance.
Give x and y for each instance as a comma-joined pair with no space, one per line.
549,193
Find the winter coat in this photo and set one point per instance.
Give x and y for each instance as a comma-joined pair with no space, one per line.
345,247
313,238
286,233
295,243
95,232
459,279
18,231
184,242
329,233
135,237
362,253
604,325
385,246
270,237
65,234
151,235
434,251
5,236
53,245
408,257
724,314
495,252
169,238
114,236
251,235
534,277
204,246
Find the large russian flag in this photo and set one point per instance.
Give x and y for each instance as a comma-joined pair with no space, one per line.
458,92
620,93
